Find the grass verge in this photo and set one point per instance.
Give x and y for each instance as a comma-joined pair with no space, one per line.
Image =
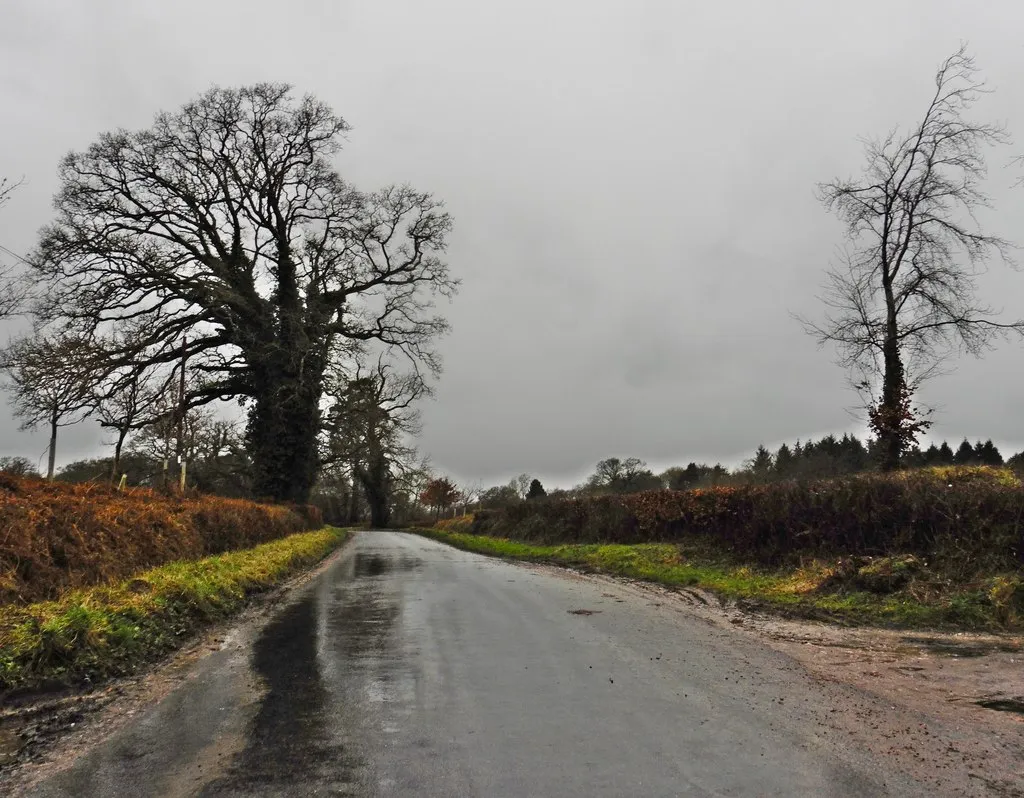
811,590
99,632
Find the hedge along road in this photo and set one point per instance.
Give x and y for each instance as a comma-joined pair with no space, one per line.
408,668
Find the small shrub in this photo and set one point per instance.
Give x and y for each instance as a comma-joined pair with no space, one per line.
462,523
888,574
1006,593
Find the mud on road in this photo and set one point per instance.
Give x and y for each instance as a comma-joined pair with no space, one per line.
956,699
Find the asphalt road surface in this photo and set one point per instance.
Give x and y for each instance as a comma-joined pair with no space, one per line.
411,669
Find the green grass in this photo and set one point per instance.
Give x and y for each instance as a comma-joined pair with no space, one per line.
805,591
103,631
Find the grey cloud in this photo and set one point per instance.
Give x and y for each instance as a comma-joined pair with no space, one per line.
632,183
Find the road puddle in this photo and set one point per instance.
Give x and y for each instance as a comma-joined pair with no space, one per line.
1015,705
371,564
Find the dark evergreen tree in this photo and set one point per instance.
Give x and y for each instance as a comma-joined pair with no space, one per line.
536,490
932,456
761,464
854,455
988,454
784,461
946,456
964,454
913,457
1016,462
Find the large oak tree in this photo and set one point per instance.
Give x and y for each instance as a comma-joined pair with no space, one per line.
225,232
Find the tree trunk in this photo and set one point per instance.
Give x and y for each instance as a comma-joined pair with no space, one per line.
353,505
380,508
115,467
890,439
375,485
283,438
52,461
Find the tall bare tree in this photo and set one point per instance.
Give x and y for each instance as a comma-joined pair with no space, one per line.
227,221
369,426
904,296
521,485
51,381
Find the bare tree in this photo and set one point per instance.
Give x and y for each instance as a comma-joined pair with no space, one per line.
521,485
903,298
369,426
125,403
51,381
18,467
622,476
470,492
407,483
212,447
12,287
227,221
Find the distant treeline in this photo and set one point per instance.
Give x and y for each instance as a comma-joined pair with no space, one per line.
830,456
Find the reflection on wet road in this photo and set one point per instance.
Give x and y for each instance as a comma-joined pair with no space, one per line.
343,628
411,669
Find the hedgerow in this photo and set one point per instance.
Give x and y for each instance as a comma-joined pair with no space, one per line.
56,536
96,632
974,516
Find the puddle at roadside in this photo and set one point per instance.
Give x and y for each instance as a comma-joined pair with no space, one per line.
966,649
1015,705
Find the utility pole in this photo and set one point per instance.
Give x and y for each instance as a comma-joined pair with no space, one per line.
181,420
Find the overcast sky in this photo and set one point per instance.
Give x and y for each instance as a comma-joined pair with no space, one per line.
632,184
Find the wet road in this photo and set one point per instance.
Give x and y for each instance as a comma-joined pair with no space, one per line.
412,669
